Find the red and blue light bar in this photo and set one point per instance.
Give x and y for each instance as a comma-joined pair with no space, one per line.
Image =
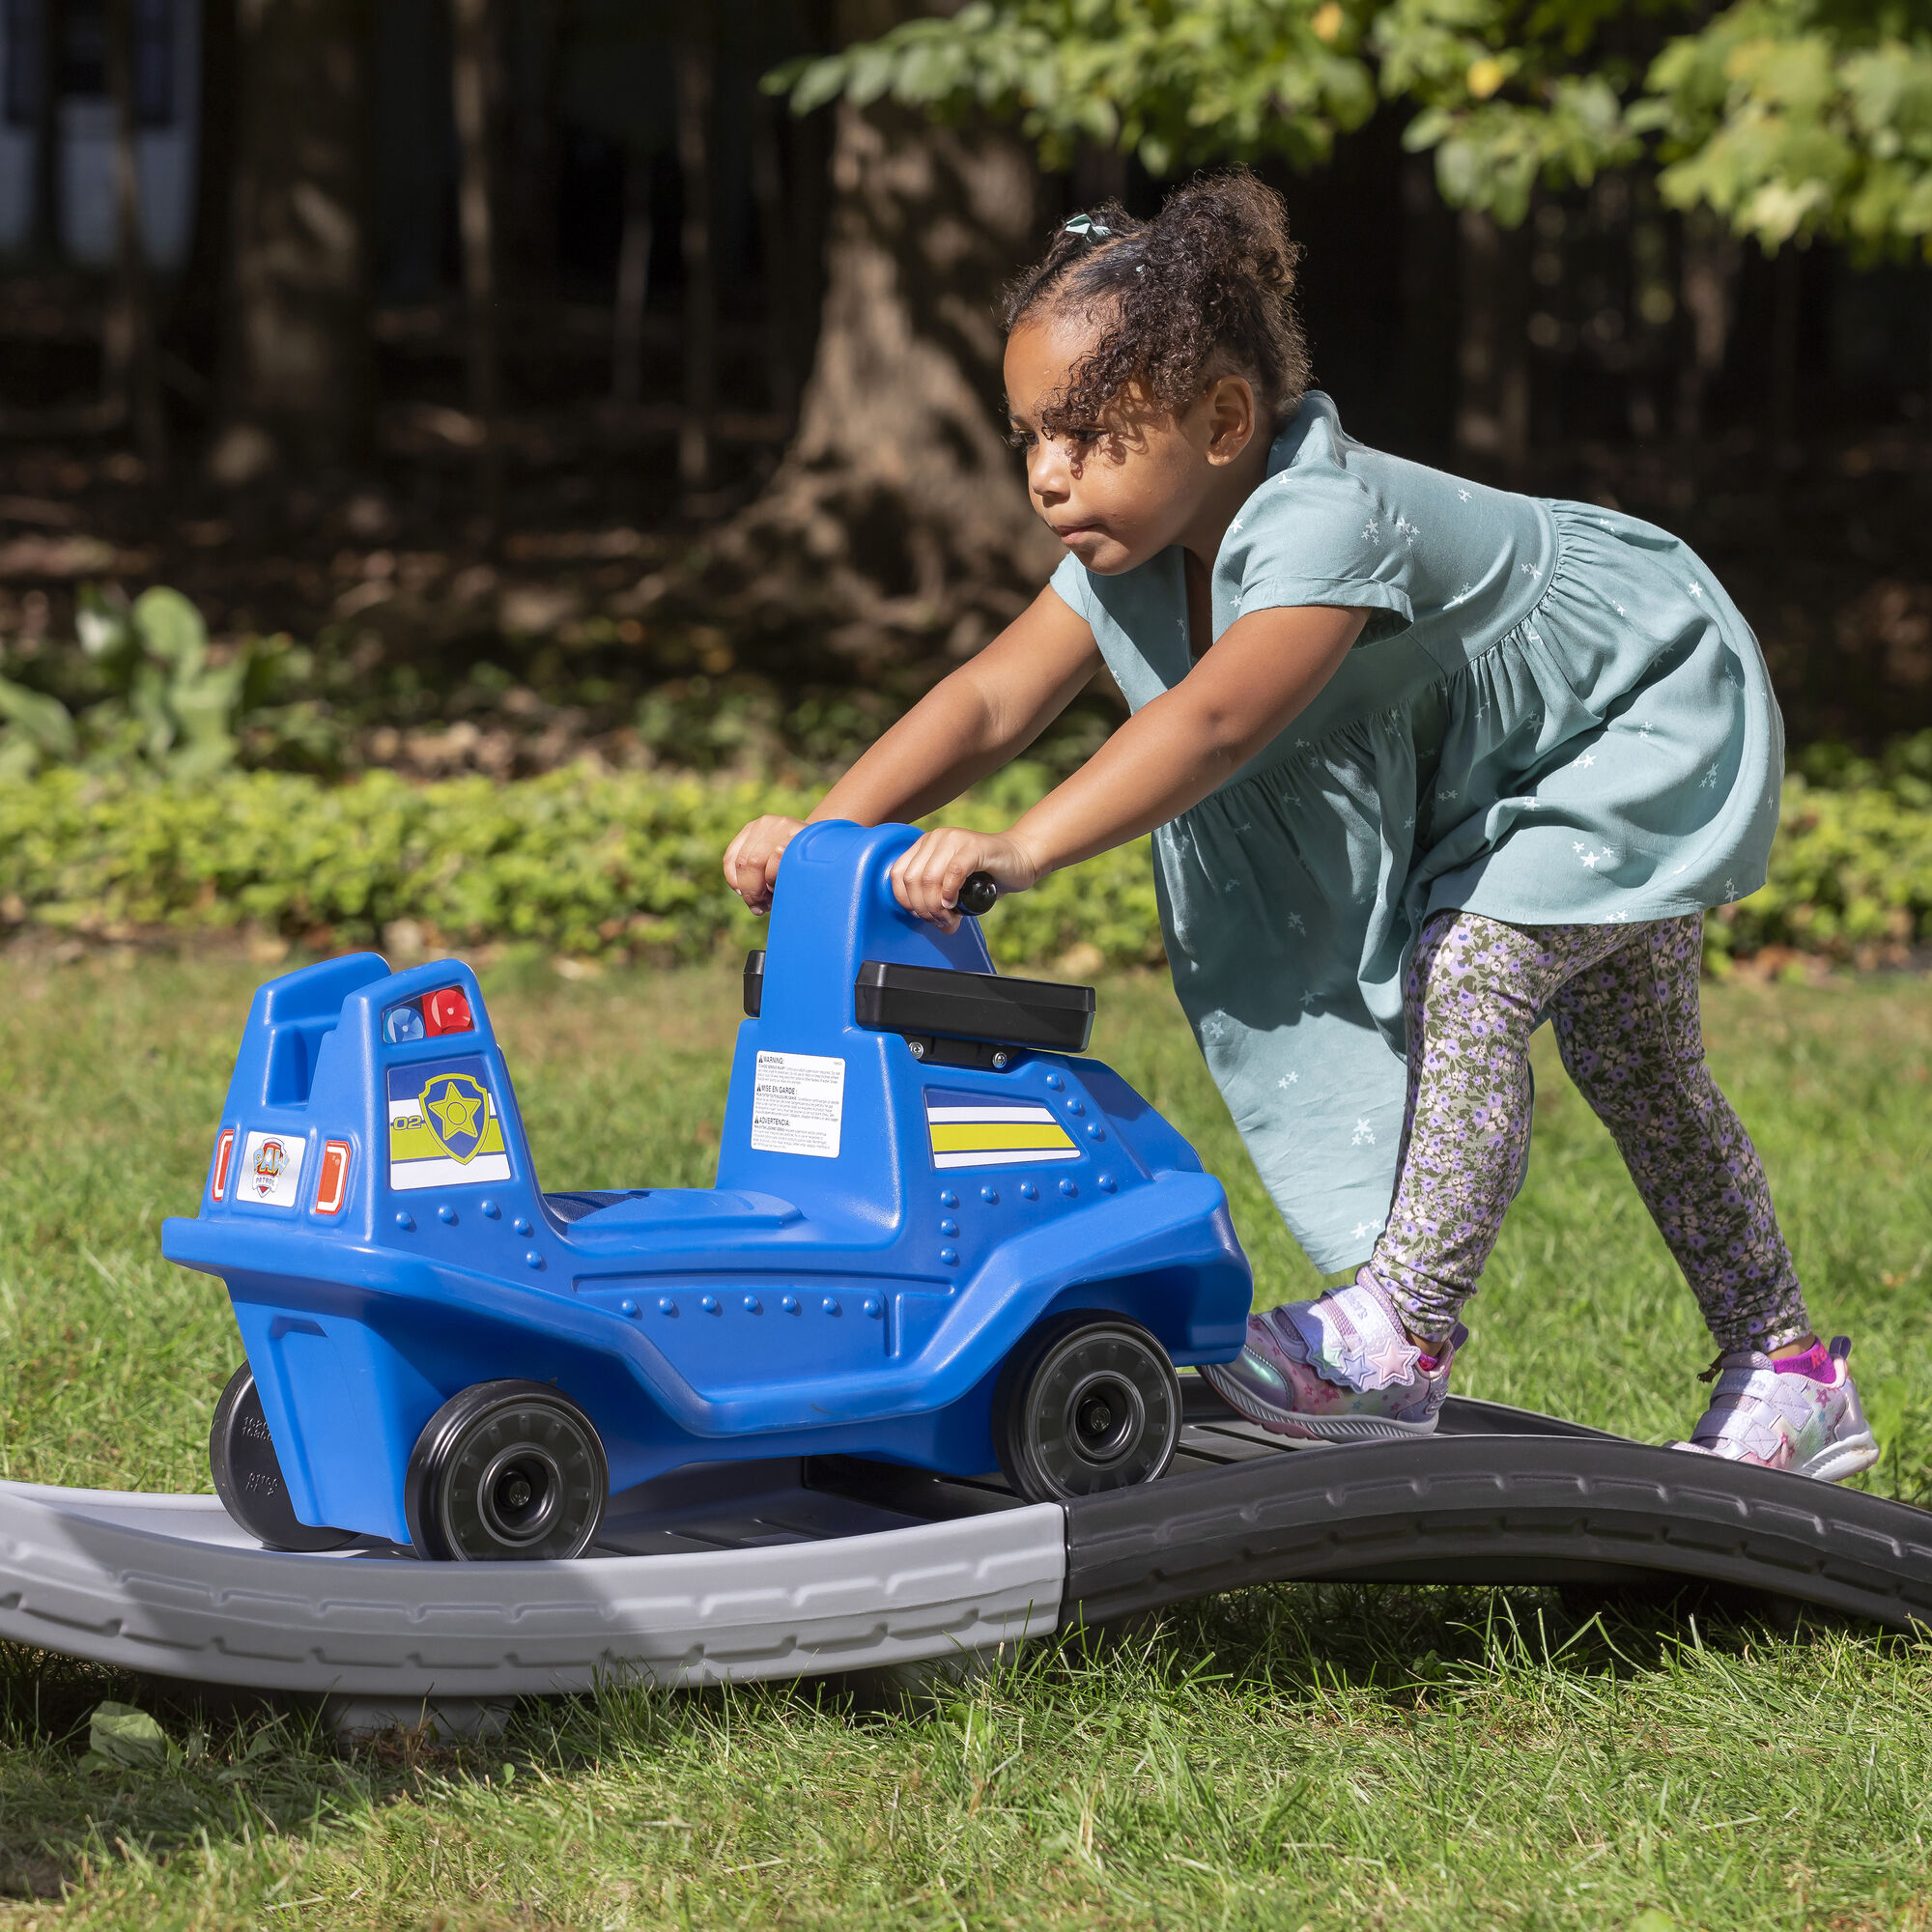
444,1010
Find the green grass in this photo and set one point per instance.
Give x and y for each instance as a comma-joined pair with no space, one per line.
1282,1757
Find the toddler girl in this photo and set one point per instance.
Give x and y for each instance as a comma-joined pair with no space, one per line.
1426,763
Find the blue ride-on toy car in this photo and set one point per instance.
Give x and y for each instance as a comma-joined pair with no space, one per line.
938,1239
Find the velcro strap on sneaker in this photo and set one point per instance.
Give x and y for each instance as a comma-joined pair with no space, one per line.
1353,1338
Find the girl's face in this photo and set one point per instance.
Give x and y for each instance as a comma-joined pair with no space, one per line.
1139,479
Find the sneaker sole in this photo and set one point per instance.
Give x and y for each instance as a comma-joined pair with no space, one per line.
1835,1463
1850,1458
1315,1428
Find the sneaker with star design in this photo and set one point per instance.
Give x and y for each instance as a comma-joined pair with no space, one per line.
1338,1369
1802,1413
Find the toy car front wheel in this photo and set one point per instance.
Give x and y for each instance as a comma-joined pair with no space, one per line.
1088,1403
506,1471
248,1473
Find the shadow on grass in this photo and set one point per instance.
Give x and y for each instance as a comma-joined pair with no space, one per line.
240,1767
238,1764
1396,1644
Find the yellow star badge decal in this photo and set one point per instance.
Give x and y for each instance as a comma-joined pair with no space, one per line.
461,1114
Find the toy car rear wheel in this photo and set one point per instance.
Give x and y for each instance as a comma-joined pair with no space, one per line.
248,1473
506,1471
1089,1403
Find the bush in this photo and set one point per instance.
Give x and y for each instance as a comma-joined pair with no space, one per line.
156,696
437,689
1851,873
626,865
598,866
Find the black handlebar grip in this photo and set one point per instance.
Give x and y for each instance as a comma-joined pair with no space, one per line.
977,893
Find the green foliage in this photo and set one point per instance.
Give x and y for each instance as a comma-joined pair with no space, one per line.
141,687
1508,97
123,1737
610,865
172,704
1788,117
1851,874
156,700
1793,118
1175,81
36,727
587,864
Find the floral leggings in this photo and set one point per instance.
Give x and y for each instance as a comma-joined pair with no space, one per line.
1624,1002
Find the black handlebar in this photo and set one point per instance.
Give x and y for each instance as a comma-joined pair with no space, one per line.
977,893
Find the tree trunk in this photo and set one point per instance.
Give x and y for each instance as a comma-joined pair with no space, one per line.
896,533
1652,340
1424,382
296,380
470,76
697,70
47,199
1492,407
192,331
1787,297
634,280
130,385
529,119
1709,276
775,246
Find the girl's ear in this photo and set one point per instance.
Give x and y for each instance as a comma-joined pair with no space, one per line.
1232,417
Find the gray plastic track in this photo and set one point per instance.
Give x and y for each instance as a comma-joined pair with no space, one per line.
797,1569
786,1584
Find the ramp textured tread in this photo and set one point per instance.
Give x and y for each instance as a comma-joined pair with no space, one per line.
1491,1508
156,1595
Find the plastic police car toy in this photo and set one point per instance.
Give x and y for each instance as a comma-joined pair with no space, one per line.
938,1239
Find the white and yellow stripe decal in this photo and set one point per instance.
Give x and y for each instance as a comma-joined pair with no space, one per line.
996,1135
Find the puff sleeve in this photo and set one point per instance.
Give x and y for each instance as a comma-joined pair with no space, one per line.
1317,534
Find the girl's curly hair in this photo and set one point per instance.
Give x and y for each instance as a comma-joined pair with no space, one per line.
1208,284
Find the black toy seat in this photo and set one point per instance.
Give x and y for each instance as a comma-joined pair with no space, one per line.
957,1018
925,1001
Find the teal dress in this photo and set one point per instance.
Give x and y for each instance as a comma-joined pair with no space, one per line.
1554,716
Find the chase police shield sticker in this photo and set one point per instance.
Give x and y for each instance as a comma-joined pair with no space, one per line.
270,1169
445,1130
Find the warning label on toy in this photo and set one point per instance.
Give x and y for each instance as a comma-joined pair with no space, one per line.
797,1104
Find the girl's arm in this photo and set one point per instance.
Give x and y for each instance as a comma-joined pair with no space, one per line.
969,724
1169,754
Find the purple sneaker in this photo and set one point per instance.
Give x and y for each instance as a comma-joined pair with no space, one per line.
1338,1369
1802,1414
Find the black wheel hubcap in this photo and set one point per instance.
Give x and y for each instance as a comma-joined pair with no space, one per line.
521,1492
1105,1416
520,1475
1100,1410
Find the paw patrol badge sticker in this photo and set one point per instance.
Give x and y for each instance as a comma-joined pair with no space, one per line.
445,1130
272,1167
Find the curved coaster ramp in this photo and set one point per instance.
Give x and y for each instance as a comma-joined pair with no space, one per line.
818,1566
